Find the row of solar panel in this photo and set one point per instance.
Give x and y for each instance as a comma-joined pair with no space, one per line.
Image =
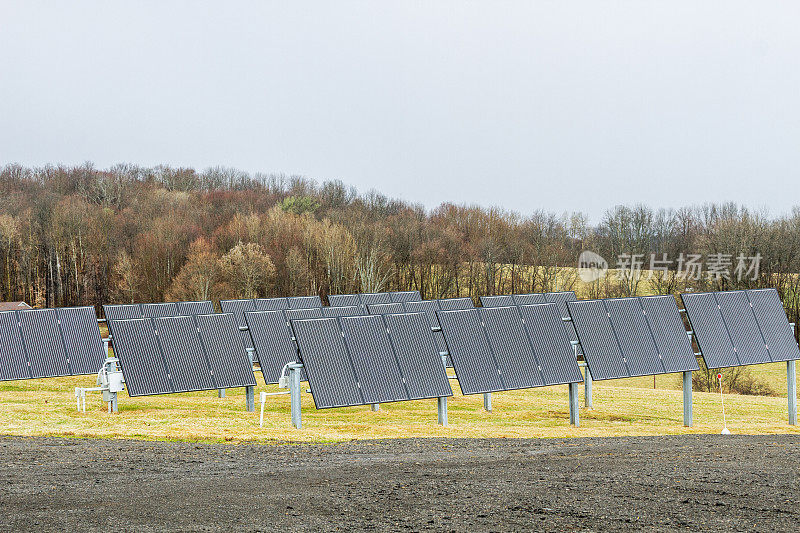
42,343
181,354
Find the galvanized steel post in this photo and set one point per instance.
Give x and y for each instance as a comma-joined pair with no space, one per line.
587,387
441,407
221,393
295,394
112,405
250,398
374,407
687,398
487,401
574,417
791,386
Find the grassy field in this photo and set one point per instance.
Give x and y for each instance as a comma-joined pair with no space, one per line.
623,407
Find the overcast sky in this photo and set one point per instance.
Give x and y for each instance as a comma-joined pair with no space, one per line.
525,105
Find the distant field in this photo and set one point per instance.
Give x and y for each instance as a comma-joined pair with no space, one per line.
624,407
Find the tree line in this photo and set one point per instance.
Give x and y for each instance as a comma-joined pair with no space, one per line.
78,235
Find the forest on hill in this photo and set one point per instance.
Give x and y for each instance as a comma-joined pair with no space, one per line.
78,235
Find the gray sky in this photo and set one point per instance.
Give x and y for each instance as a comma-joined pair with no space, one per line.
525,105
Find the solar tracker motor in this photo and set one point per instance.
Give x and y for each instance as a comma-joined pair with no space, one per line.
110,379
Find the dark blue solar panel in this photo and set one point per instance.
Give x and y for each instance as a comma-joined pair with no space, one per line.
204,307
332,312
299,314
273,342
159,310
183,353
511,347
122,311
600,348
82,340
325,358
710,330
550,343
429,307
470,352
742,327
304,302
384,309
344,300
44,345
405,296
497,301
775,328
669,333
454,304
238,308
529,299
137,347
376,298
13,360
633,334
225,350
417,355
373,359
271,304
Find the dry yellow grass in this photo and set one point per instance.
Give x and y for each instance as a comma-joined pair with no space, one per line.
47,407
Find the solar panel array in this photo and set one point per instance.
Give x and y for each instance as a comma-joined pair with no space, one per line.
155,310
627,337
43,343
359,360
374,298
736,328
505,348
181,354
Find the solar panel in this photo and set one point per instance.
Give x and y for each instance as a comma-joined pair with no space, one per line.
273,342
204,307
710,330
497,301
332,312
183,353
775,328
405,296
13,360
238,308
383,309
470,352
82,340
326,361
373,359
417,355
122,311
454,304
429,307
511,347
227,356
669,333
633,334
600,348
304,302
344,300
561,299
137,348
529,299
271,304
371,298
742,327
550,343
43,343
299,314
159,310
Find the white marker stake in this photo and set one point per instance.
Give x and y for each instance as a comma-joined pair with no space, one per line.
725,430
263,401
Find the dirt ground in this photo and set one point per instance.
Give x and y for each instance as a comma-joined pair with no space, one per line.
697,482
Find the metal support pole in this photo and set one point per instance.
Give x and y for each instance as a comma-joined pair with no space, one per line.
487,401
587,387
574,417
221,393
250,398
112,405
441,407
687,399
106,343
295,392
375,407
791,386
